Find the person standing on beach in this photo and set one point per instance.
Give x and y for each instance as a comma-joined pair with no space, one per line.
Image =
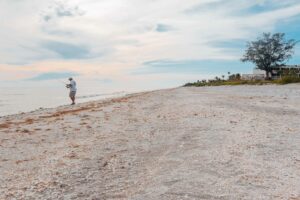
73,89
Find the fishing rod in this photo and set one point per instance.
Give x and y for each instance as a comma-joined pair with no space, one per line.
66,84
61,81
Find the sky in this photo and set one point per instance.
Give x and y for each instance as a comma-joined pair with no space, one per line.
163,41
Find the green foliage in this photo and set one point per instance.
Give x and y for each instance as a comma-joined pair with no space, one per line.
234,77
218,82
287,80
269,51
228,82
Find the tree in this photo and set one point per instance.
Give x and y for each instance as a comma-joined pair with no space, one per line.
234,77
269,51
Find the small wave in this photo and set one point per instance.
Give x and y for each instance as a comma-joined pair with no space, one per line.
100,95
16,94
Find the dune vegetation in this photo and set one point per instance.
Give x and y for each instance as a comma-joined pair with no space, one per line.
235,79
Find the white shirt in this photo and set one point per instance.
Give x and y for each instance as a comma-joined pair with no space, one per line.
73,86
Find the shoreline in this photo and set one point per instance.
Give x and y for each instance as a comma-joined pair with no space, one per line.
78,104
134,93
64,109
128,94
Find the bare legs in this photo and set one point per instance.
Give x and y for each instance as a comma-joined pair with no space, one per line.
72,97
73,100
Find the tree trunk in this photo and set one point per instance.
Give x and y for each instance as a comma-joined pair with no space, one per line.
268,75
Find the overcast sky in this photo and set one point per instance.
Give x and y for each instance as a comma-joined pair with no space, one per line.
124,39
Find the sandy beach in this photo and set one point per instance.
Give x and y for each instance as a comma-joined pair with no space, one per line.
239,142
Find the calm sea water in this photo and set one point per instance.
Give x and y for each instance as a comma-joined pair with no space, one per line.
28,96
25,96
14,100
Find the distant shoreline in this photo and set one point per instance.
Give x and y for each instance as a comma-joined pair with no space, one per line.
67,106
100,96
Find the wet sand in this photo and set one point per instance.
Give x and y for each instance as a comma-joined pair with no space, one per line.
239,142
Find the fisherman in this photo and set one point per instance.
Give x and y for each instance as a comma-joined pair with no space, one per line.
73,89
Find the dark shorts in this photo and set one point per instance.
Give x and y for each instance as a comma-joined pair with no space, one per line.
72,94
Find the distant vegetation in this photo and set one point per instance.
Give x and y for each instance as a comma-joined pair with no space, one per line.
269,52
287,80
235,79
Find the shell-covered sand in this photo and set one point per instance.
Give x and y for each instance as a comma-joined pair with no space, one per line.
239,142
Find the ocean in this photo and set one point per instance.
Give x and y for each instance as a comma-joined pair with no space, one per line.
14,100
27,96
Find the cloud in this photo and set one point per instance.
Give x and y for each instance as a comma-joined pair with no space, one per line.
59,10
122,35
53,76
192,66
163,28
66,50
240,7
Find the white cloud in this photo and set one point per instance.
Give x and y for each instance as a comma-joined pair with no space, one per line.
123,33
